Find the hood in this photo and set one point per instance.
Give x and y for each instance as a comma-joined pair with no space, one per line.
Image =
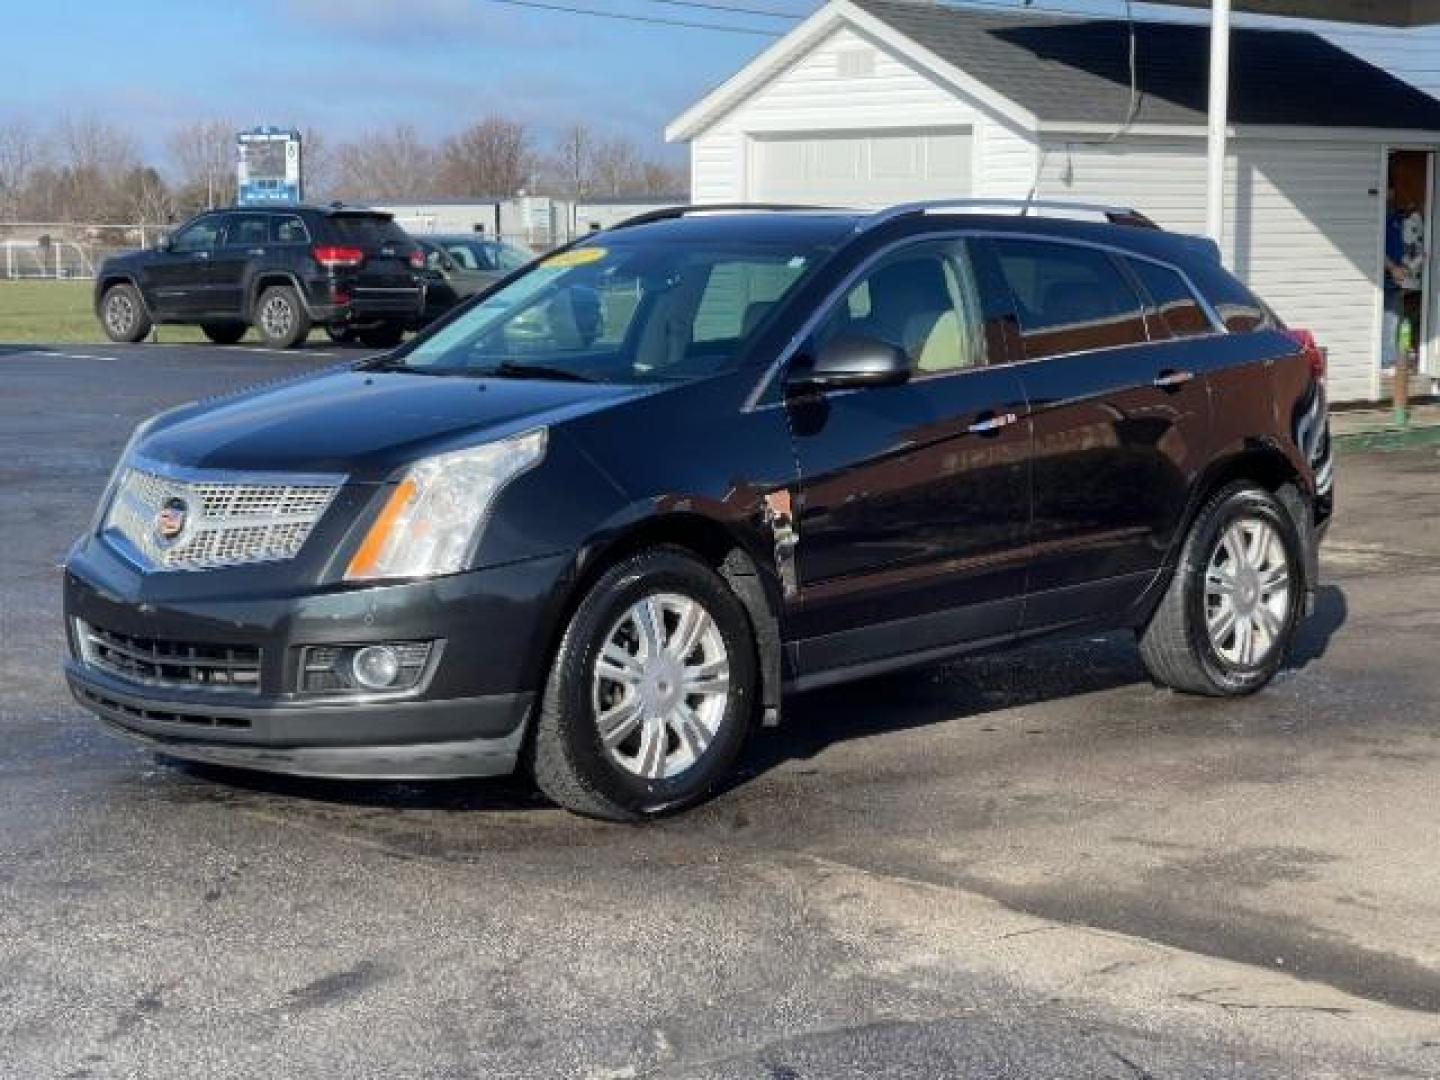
364,424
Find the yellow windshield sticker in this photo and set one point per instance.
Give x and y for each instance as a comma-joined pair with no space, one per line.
582,256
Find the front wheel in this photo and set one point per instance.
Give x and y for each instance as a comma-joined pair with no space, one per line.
650,697
1228,619
281,318
123,314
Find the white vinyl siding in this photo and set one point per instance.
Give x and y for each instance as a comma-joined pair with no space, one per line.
1302,229
1006,159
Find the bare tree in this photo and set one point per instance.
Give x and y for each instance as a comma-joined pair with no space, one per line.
91,157
492,157
573,164
618,167
147,198
204,156
318,162
21,152
390,164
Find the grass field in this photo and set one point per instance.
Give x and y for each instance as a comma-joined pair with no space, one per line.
59,312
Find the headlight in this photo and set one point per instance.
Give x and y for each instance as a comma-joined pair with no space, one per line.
121,464
432,520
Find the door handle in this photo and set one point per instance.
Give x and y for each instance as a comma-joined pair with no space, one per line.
255,251
992,422
202,255
1169,380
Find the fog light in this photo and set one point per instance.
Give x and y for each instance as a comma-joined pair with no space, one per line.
376,667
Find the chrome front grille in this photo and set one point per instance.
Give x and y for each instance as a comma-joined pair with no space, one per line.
221,522
172,664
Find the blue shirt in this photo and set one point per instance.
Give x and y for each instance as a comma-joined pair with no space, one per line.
1394,244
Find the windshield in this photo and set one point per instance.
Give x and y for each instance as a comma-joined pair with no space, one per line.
619,311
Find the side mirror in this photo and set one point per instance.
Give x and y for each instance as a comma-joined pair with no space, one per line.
852,361
164,243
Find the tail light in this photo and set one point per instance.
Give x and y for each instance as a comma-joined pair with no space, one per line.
417,259
336,258
1312,350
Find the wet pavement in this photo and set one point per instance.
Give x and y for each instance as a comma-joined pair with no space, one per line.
1022,865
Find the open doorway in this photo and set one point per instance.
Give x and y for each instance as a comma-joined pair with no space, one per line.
1406,279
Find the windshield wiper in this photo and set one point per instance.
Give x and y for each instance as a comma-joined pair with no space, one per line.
512,369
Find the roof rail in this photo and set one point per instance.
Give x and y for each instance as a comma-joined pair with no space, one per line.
1116,215
668,213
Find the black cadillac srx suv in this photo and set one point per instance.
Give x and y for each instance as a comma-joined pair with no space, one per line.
281,270
597,522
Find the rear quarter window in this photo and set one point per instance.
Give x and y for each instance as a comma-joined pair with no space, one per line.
1236,305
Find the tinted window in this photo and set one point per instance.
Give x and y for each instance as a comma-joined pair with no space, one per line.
1069,298
920,299
1179,311
288,229
201,235
365,229
245,230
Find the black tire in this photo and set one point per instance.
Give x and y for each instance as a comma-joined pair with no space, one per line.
280,318
224,333
1177,645
122,314
569,762
382,336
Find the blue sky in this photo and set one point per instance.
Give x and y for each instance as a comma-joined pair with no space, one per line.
345,65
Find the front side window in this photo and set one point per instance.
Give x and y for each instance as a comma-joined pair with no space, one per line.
200,235
1069,298
630,311
921,300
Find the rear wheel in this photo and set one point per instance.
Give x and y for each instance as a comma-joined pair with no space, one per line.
281,318
382,335
1229,616
224,333
650,696
123,314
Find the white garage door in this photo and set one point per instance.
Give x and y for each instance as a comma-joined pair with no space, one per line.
860,168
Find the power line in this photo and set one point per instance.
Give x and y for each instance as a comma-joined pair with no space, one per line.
541,5
767,13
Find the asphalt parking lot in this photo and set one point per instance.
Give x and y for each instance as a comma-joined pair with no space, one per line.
1030,865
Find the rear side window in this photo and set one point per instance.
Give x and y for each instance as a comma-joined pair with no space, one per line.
244,230
366,229
1069,298
288,229
1179,310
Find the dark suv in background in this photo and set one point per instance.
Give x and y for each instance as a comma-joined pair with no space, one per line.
280,271
599,521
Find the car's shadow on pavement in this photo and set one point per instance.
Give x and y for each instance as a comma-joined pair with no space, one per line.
960,691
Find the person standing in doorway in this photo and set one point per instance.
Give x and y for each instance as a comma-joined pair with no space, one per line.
1396,276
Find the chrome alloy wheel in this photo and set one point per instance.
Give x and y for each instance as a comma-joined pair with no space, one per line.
1247,592
120,313
277,317
661,686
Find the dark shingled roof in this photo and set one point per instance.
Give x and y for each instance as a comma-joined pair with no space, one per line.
1078,70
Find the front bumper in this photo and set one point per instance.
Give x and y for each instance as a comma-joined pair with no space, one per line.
466,717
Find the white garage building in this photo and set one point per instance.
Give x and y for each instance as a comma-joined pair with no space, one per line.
870,102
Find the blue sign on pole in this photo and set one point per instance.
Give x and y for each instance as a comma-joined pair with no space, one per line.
268,166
